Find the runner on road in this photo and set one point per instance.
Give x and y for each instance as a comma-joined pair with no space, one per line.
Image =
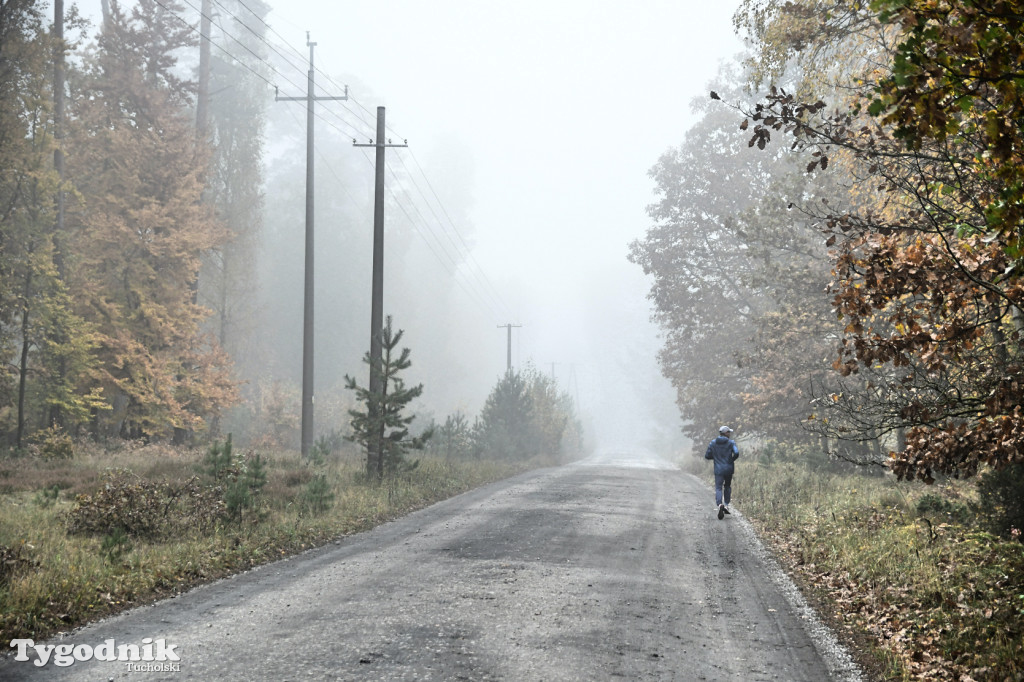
724,452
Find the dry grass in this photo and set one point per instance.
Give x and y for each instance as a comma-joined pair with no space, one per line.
933,597
58,581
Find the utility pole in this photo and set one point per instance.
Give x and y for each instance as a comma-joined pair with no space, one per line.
374,456
509,327
307,308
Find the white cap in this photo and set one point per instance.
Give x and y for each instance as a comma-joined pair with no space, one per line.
724,430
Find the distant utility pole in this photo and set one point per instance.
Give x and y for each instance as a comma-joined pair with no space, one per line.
509,327
307,310
374,454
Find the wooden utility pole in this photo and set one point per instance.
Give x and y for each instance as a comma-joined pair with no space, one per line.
374,456
307,309
509,327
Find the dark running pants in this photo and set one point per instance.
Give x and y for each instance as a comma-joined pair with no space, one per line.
723,485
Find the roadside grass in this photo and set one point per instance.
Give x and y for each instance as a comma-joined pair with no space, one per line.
900,567
52,580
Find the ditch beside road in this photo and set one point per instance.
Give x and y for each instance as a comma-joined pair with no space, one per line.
616,567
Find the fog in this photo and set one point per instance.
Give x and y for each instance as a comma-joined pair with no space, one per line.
531,127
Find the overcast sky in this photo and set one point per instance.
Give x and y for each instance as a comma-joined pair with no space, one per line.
554,111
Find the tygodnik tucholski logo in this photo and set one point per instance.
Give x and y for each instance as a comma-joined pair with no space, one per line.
153,655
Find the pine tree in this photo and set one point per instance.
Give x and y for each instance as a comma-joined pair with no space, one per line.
504,426
524,416
382,429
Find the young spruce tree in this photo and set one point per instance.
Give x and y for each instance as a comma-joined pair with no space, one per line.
382,429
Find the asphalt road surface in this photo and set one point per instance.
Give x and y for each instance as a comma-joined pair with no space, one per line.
615,568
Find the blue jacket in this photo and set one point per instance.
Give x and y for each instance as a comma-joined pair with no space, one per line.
724,451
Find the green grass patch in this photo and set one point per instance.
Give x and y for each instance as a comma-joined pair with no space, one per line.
88,536
900,566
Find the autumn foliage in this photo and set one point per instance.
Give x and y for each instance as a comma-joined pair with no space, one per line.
927,280
913,147
106,318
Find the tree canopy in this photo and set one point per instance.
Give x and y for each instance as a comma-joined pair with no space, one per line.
910,147
100,308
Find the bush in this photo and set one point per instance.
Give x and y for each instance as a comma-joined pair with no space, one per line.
13,560
1002,500
933,505
144,509
219,463
54,443
453,439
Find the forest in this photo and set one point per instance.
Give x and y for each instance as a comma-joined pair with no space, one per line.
121,220
152,236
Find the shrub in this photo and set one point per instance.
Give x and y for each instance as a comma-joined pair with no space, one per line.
933,505
325,446
1002,499
219,463
13,560
144,509
54,443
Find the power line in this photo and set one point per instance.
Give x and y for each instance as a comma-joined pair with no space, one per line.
258,57
471,260
258,36
487,307
477,299
369,124
222,49
463,258
487,290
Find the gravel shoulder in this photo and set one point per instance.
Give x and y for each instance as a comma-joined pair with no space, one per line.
601,570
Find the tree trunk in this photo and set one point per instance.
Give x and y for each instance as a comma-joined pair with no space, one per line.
999,339
23,366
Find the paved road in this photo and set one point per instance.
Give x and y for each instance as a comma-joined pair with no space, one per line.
611,569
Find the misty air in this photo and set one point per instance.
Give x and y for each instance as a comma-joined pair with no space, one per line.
557,341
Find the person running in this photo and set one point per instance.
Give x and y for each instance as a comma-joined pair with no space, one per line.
724,452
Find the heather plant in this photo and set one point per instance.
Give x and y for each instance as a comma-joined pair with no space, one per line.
145,509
